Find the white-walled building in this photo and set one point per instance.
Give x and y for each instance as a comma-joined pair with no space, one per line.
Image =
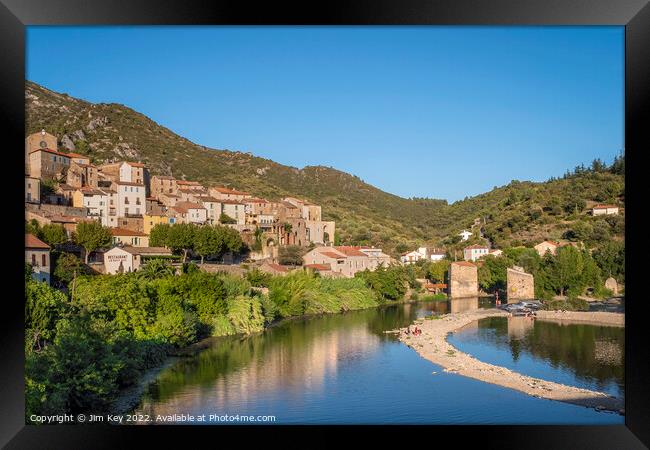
234,209
602,210
547,246
97,202
129,259
37,253
422,253
414,256
130,199
474,252
189,212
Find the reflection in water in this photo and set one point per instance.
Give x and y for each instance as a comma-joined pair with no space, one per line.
518,327
580,355
342,369
459,305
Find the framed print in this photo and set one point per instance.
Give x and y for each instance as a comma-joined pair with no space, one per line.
370,217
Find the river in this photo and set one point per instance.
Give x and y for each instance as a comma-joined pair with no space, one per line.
343,369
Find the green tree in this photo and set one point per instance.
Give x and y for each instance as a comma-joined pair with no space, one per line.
492,274
610,257
158,236
67,266
226,219
92,236
437,271
44,306
208,241
180,237
291,255
33,227
232,239
156,268
53,234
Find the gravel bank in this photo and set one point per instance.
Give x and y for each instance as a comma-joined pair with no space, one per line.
432,345
586,317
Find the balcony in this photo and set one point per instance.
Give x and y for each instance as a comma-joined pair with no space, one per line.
133,215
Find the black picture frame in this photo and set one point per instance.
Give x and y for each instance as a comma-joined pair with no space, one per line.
633,14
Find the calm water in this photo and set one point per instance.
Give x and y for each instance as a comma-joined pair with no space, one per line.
343,369
585,356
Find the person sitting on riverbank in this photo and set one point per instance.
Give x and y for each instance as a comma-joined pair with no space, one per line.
408,330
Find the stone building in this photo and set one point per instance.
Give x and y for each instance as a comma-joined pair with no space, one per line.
80,175
463,280
222,193
32,190
45,163
162,184
36,141
520,285
547,246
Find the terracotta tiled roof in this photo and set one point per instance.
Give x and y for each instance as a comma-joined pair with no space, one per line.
87,190
277,267
147,250
77,155
464,263
254,200
135,164
349,251
224,190
184,207
605,206
319,266
207,198
128,183
32,241
557,244
230,202
333,255
48,150
187,183
125,232
476,246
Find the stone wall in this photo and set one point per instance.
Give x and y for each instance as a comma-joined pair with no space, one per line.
57,210
521,285
463,280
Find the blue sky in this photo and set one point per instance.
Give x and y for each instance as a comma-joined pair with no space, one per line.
441,112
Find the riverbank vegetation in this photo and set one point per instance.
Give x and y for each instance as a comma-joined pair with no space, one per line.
571,272
85,344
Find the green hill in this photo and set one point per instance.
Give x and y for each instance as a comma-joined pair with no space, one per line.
517,213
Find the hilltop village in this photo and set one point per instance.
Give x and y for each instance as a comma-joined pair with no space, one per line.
66,189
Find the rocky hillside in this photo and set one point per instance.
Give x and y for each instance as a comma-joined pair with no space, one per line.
364,214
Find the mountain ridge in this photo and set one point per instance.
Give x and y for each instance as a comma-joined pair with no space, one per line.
365,215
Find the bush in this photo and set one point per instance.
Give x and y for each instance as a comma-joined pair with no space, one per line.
245,314
571,304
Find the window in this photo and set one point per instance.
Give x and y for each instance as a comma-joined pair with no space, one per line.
33,259
126,210
43,260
